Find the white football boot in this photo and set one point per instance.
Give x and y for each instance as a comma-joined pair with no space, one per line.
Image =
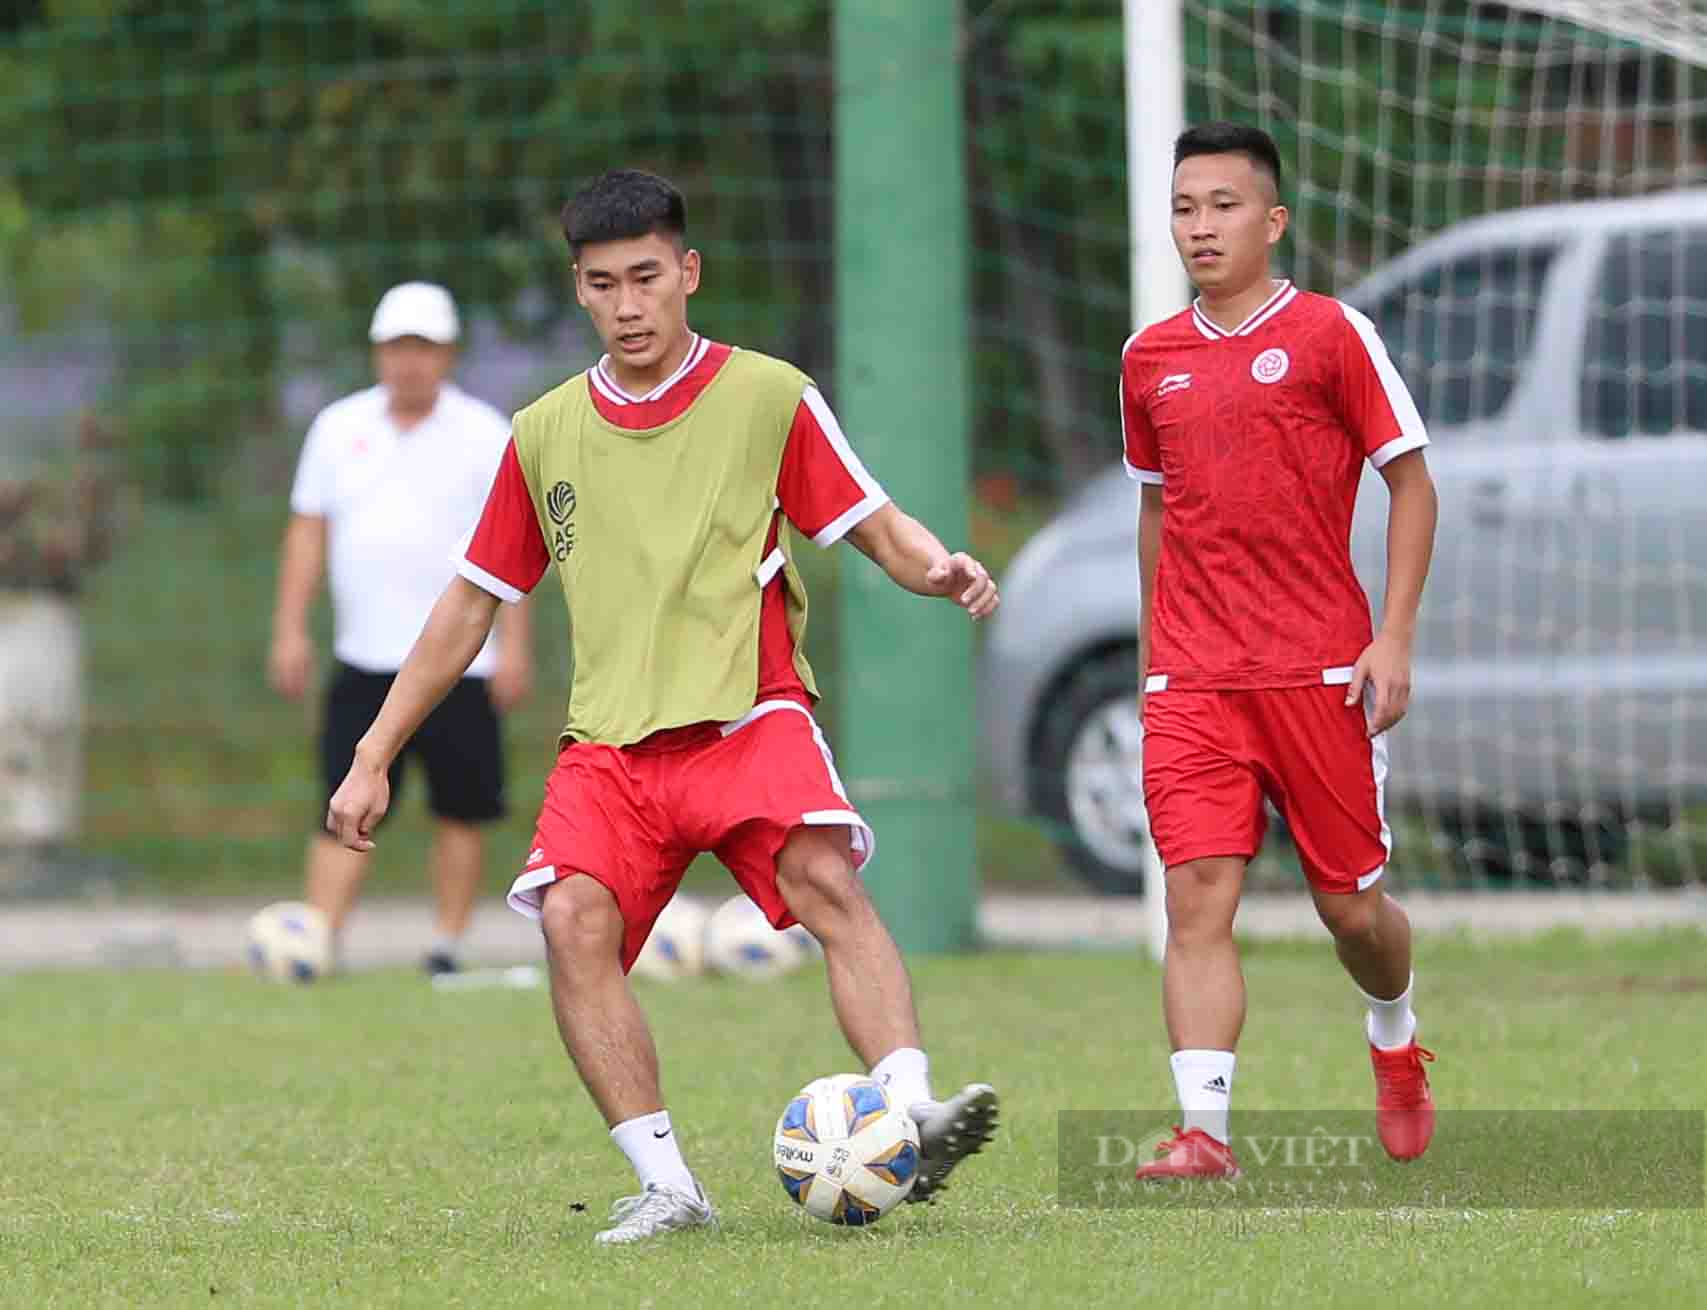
949,1131
657,1210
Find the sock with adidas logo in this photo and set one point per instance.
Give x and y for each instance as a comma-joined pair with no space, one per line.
1204,1081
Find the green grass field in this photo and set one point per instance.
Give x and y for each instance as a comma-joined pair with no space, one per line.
171,1139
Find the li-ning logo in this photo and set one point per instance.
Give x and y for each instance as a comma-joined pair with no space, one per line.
560,504
1270,366
1172,383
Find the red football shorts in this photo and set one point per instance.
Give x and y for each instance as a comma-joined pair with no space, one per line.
633,818
1210,757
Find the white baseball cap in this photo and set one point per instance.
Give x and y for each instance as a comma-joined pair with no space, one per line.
415,309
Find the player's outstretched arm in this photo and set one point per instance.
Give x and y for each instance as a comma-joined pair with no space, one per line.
1386,663
452,637
909,553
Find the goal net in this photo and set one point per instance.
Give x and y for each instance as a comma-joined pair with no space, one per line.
1514,193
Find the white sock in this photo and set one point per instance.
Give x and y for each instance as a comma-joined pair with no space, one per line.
1204,1081
906,1073
650,1145
1391,1023
444,944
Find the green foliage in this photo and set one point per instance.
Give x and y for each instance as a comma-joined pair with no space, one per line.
180,166
198,188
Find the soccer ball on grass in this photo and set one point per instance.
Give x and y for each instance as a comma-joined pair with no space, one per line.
740,943
676,947
845,1152
290,942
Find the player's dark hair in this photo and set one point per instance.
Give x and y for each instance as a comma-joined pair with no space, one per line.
621,204
1224,138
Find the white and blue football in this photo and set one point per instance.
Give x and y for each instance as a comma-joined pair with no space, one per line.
740,943
844,1151
676,947
290,942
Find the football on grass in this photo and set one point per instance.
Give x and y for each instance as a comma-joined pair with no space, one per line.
845,1153
740,943
675,948
290,942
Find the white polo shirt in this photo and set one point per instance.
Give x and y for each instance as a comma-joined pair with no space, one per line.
397,505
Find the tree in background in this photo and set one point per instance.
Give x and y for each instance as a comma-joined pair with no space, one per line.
203,188
214,193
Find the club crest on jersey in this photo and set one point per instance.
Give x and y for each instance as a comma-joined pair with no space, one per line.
1271,365
560,504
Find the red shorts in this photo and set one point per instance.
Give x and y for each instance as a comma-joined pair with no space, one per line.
633,818
1211,756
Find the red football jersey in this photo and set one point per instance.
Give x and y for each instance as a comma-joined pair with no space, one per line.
822,488
1257,437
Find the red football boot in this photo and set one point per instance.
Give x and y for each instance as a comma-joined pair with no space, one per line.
1404,1110
1193,1154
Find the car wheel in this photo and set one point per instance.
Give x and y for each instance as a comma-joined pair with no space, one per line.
1086,772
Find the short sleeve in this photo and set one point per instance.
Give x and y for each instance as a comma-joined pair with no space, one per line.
1374,402
1142,455
823,487
311,492
506,553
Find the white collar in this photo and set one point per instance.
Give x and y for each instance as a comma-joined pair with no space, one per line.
606,382
1282,297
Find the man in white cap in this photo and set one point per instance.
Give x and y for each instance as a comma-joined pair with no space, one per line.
389,481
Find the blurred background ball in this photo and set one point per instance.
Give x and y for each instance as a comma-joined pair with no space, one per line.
290,942
740,943
676,948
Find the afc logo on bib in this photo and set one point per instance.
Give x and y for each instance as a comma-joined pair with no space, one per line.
1271,365
560,504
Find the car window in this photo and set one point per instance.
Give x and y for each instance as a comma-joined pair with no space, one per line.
1645,356
1460,332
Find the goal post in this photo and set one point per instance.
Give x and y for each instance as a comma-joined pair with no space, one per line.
1396,120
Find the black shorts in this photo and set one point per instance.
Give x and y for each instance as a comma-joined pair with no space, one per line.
458,744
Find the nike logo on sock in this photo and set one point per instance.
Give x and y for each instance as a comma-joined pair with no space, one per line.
665,1133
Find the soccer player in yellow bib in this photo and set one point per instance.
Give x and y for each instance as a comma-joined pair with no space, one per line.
662,485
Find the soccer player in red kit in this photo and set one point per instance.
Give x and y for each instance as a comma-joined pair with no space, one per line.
661,488
1247,420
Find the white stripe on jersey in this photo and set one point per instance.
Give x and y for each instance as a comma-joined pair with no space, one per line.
1413,435
875,497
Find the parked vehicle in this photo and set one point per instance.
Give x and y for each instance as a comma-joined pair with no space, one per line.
1559,357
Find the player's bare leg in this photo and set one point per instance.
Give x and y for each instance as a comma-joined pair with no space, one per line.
869,987
611,1045
1203,999
334,878
873,1000
1203,988
457,862
1372,936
